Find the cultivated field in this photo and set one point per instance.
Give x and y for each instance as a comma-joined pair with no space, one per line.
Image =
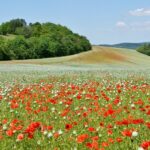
97,100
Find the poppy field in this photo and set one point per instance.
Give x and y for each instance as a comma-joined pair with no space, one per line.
76,112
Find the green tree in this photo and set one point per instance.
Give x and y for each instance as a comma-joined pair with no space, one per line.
35,29
5,53
10,27
19,47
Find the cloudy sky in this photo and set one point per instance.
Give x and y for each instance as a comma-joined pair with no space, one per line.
102,21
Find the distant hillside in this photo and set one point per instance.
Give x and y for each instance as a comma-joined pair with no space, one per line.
125,45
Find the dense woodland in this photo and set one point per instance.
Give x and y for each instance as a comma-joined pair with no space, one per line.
38,40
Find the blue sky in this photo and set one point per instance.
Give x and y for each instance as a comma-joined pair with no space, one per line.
101,21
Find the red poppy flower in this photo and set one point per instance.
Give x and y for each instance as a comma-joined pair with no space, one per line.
9,132
116,101
49,127
65,112
95,138
1,137
119,140
14,105
105,144
81,138
68,126
30,135
4,121
148,124
145,144
93,145
91,129
148,113
110,140
79,96
119,90
137,121
56,135
20,137
127,133
109,132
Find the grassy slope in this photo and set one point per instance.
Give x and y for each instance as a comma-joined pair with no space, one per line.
98,55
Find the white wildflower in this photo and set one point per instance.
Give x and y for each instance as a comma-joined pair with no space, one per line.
60,132
132,105
74,132
45,132
134,133
140,148
49,135
38,142
4,127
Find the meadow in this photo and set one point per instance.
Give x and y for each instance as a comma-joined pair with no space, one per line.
97,100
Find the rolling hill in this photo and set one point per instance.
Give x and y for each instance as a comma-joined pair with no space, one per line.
125,45
98,55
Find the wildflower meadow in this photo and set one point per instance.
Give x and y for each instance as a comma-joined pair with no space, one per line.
76,111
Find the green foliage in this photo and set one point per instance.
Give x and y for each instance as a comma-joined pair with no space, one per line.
25,31
38,40
11,26
19,47
4,52
145,49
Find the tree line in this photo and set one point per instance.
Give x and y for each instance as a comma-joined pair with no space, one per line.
145,49
38,40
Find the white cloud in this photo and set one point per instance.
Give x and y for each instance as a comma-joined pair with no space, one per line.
140,12
121,24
